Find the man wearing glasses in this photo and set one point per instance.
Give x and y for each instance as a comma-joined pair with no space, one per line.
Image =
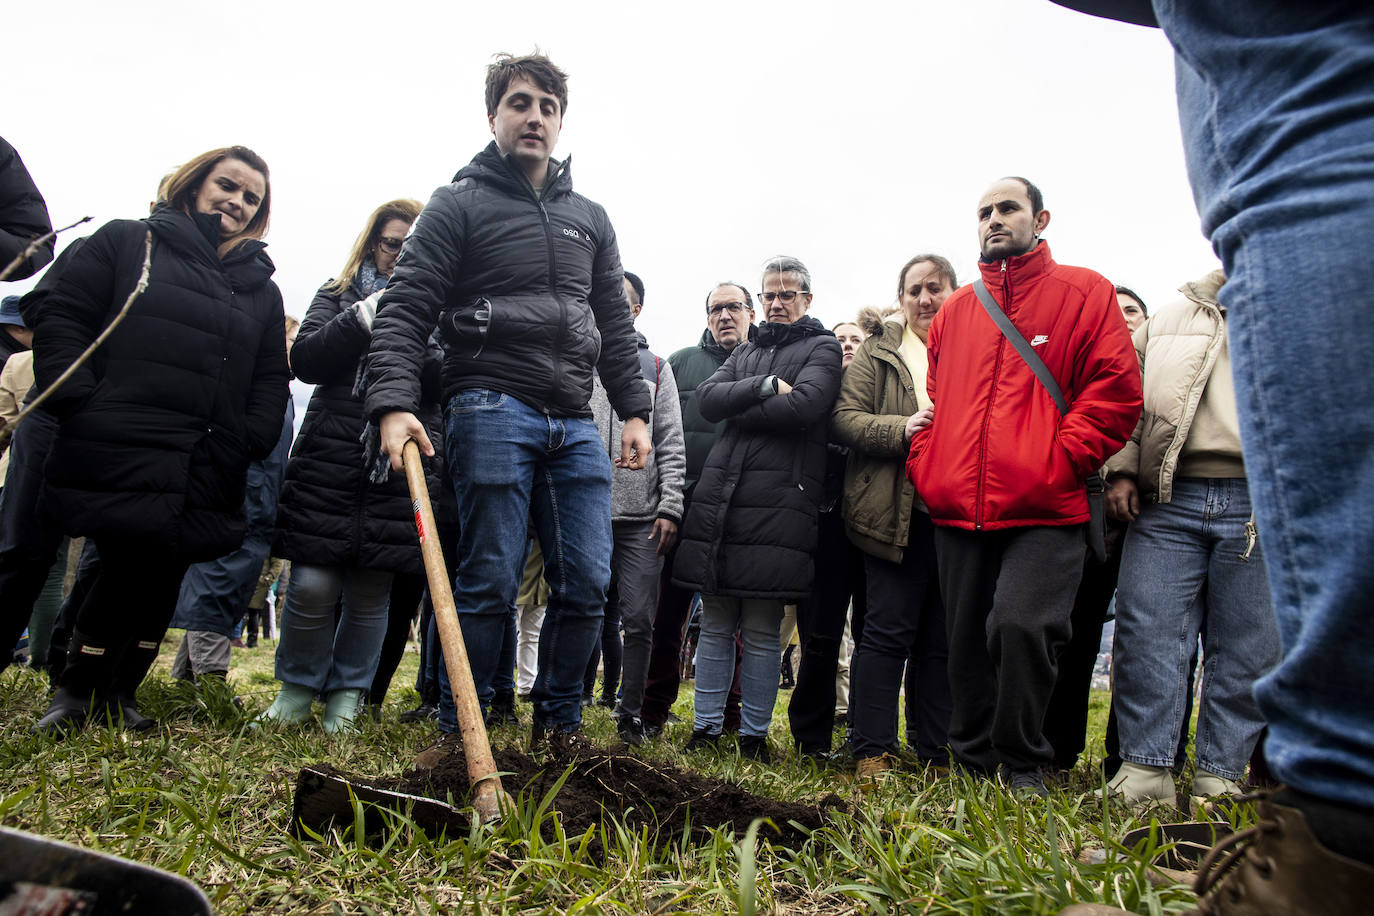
521,275
729,322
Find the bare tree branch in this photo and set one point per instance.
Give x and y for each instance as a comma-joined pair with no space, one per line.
8,432
33,246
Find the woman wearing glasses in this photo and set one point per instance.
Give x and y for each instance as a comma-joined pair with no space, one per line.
748,539
345,536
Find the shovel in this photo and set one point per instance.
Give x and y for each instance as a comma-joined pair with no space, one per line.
488,797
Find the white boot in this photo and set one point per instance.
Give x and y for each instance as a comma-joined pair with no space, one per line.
1209,785
1138,784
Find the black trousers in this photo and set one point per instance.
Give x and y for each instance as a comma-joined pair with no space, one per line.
1066,720
406,591
820,626
904,627
29,538
1009,596
609,648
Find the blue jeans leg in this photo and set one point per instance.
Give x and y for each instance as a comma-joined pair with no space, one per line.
511,463
1182,576
759,622
314,652
1277,110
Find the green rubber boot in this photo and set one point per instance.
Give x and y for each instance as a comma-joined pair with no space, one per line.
339,709
291,707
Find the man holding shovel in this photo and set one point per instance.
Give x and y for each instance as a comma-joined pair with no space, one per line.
520,274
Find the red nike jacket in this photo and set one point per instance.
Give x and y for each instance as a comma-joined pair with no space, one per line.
999,454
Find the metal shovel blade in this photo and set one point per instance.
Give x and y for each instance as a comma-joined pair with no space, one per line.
324,799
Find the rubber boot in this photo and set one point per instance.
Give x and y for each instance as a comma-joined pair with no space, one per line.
1139,784
340,708
121,703
86,675
291,707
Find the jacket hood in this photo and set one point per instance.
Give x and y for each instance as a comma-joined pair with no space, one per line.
1204,291
196,237
1021,268
490,167
772,334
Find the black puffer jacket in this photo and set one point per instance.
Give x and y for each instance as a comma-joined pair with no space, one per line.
23,216
330,514
526,289
751,530
159,426
691,367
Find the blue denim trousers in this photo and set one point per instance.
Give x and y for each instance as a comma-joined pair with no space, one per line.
1276,102
759,622
316,652
1182,575
511,463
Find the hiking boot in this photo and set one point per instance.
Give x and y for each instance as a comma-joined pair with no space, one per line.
632,730
873,768
754,747
422,713
446,745
701,740
1139,784
502,709
1024,782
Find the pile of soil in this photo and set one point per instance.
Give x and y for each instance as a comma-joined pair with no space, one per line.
638,792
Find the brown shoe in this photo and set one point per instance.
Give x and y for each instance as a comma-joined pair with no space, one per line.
446,745
872,769
1279,866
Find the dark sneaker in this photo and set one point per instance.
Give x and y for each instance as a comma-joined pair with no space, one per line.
652,731
671,719
754,747
251,642
588,700
1024,782
502,710
565,742
632,730
422,713
701,740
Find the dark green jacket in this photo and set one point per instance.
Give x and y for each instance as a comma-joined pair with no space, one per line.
691,367
876,398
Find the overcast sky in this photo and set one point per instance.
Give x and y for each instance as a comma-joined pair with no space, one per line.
851,135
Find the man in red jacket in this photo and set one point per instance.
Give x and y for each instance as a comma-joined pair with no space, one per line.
1002,473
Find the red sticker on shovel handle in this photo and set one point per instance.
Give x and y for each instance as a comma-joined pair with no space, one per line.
419,520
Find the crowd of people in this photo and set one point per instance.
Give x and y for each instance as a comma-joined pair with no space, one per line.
970,482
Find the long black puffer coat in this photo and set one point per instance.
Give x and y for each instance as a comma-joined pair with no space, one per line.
752,528
158,428
330,514
526,288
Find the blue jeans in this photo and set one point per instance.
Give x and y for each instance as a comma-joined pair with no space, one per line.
1182,575
759,621
511,463
1277,110
314,652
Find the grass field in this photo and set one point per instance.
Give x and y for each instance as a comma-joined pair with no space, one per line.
205,797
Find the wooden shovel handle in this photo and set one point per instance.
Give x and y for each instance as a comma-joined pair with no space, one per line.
482,775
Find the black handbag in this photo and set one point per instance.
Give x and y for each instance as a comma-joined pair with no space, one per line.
1097,498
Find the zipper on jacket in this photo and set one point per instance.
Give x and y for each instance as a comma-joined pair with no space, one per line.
553,290
987,414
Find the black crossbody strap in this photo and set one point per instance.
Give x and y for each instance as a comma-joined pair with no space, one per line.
1037,365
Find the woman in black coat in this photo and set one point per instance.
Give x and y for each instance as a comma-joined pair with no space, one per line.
747,542
345,536
159,426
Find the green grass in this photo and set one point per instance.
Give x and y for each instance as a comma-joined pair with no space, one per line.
207,798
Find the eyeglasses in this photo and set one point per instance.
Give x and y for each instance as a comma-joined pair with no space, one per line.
391,245
734,308
786,295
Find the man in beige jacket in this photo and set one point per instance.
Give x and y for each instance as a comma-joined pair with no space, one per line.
1191,565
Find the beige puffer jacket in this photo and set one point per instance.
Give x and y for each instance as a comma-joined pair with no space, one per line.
1179,345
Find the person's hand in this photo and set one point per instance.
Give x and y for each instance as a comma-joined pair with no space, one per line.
917,420
1123,500
666,532
634,445
783,387
396,429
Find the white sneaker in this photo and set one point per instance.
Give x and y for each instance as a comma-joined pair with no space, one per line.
1138,784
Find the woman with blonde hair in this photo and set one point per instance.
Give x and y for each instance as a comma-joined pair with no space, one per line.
159,426
346,537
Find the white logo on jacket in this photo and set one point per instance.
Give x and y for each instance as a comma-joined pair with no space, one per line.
1038,339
